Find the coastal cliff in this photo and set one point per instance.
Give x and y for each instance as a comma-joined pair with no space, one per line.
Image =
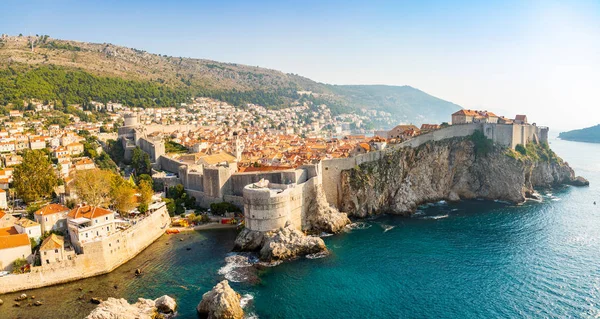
451,169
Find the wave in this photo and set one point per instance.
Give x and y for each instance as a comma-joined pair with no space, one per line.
358,225
246,300
386,227
236,265
324,234
442,202
502,202
318,255
418,212
435,217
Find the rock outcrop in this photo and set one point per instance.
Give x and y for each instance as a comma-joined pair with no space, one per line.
221,302
282,244
320,217
288,243
113,308
451,169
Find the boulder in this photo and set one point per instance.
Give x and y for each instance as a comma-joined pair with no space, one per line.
221,302
165,304
288,243
113,308
579,181
248,240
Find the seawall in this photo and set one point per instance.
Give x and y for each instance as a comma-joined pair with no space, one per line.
100,257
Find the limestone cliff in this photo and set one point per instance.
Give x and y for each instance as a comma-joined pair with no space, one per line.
452,169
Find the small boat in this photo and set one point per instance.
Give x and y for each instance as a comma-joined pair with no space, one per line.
172,231
4,273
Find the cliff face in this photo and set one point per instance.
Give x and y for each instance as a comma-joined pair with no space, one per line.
451,169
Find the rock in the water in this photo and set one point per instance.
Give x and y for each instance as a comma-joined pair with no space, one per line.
38,303
114,308
579,181
21,297
248,240
287,243
1,302
165,304
221,302
138,272
96,301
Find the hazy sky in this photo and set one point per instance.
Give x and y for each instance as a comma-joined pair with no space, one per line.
541,58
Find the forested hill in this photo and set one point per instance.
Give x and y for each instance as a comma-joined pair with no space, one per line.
75,72
590,134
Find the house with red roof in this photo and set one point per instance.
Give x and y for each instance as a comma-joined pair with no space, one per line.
52,217
12,247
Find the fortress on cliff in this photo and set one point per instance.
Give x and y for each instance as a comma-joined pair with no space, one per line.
271,199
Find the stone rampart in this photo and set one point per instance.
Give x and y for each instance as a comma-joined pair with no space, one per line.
99,257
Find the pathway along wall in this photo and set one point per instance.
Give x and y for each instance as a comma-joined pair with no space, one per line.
100,257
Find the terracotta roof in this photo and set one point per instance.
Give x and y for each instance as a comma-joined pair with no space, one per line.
26,223
8,231
53,242
13,241
51,209
521,117
88,212
217,158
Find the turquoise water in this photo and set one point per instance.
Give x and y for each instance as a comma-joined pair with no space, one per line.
473,259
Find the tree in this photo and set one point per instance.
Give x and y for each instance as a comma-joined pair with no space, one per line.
94,186
123,198
146,192
140,161
20,265
34,178
176,192
170,206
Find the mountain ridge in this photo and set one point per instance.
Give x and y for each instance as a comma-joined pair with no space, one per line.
232,82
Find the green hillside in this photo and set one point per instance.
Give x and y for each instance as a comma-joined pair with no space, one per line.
76,72
590,135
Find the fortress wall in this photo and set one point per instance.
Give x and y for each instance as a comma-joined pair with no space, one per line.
195,181
154,148
99,257
169,164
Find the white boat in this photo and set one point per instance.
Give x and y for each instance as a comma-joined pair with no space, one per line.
4,273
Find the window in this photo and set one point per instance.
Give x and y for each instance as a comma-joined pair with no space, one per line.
47,261
86,235
106,217
107,228
45,253
56,251
46,218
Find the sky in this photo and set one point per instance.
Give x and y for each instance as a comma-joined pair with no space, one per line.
540,58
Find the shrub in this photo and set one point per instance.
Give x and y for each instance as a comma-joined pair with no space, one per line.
222,208
483,145
521,149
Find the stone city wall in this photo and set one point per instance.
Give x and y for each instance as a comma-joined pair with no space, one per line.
99,257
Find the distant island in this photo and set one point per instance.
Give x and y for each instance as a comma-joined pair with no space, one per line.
589,135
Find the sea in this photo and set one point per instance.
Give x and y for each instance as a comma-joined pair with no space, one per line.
473,259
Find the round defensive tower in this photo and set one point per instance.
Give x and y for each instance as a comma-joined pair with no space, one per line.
265,208
131,119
